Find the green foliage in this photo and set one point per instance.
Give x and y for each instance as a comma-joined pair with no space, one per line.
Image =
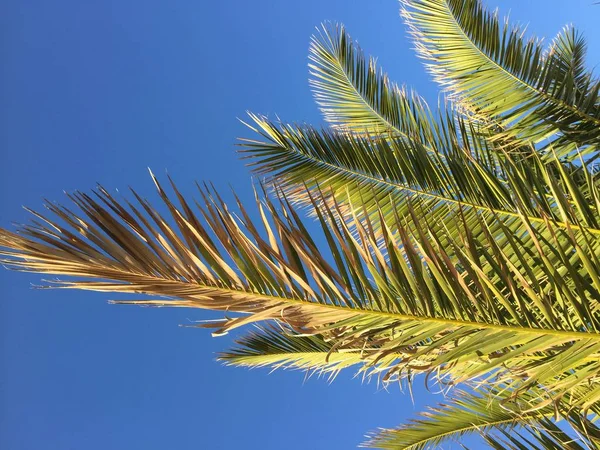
532,94
463,245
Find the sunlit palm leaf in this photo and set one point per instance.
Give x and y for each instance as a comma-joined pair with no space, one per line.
283,349
370,172
580,434
499,74
464,414
569,49
354,95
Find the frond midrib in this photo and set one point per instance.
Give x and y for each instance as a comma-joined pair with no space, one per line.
458,203
397,316
230,357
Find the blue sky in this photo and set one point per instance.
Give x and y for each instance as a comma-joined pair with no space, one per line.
97,91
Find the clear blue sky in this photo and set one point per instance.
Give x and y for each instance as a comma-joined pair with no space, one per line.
96,91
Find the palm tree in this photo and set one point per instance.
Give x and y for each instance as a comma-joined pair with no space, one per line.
463,245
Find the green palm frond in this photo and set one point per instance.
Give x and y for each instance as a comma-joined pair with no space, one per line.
489,413
458,324
581,434
463,414
493,70
279,348
371,172
354,94
569,49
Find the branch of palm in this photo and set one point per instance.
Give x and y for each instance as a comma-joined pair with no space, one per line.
462,324
544,97
491,414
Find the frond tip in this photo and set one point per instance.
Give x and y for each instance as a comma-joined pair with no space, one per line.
354,95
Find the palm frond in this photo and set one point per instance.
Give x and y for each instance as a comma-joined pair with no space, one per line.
372,171
569,50
465,413
354,94
458,324
280,348
493,70
578,433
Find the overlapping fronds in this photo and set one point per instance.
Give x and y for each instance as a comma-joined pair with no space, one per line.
546,98
355,95
415,305
372,171
459,200
463,245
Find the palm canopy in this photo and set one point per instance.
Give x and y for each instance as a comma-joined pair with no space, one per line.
462,244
